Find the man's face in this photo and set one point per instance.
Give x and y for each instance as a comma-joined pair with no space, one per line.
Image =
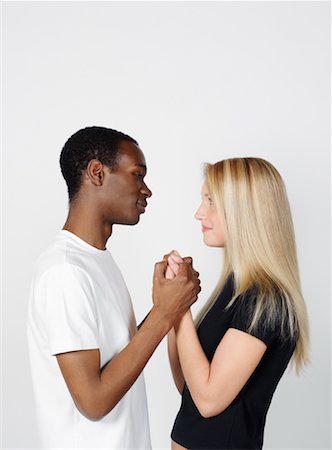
124,190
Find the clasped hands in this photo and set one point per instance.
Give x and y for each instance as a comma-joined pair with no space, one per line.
175,286
173,261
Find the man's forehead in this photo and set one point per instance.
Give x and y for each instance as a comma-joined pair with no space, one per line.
130,153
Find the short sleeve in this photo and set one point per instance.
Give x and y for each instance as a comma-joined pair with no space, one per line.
242,315
66,295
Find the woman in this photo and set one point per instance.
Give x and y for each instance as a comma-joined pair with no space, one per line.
228,365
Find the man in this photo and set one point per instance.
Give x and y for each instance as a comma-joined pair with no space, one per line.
86,354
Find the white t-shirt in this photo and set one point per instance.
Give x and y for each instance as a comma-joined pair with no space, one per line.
79,301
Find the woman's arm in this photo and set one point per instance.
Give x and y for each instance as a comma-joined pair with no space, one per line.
213,386
173,261
174,361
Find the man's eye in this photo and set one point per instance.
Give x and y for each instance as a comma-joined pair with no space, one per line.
139,175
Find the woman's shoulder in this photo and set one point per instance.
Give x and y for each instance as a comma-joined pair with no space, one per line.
262,313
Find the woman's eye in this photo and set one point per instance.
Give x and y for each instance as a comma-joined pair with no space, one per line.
210,200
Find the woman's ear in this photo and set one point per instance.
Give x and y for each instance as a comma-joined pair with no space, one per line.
95,172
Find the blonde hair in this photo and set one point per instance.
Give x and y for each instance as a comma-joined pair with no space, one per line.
260,251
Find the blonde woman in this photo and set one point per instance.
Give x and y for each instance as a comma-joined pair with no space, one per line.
228,365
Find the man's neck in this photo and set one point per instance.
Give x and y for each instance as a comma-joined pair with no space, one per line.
88,226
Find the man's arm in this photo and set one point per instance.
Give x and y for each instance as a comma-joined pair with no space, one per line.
96,391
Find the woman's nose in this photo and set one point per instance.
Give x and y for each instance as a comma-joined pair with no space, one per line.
199,213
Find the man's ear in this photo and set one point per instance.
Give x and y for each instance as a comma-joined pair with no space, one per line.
95,172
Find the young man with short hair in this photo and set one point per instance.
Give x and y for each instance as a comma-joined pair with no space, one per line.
86,353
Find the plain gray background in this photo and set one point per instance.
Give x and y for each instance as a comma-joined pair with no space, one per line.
192,82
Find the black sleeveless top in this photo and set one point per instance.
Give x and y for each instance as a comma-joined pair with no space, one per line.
241,424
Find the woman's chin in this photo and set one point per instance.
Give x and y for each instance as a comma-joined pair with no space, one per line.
212,243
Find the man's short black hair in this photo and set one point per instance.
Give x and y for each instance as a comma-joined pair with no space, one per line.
89,143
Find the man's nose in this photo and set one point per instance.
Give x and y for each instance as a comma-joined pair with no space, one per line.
146,191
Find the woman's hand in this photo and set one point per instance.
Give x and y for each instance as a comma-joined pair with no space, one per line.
173,261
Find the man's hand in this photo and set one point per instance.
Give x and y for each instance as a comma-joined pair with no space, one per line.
174,297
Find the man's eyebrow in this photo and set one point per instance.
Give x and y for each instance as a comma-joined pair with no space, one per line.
143,166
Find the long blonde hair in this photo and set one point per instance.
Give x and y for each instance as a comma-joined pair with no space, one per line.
260,252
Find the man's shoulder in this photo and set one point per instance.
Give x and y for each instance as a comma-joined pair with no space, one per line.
60,254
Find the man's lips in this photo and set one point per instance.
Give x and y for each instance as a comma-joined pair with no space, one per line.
142,205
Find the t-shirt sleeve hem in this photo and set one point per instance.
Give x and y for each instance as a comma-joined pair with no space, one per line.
73,346
254,333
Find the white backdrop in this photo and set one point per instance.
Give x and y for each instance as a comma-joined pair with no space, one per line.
192,82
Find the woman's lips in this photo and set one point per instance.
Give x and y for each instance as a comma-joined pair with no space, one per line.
205,229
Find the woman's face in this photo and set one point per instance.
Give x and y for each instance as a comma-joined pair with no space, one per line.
212,228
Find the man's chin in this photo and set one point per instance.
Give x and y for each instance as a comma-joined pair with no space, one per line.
135,221
132,221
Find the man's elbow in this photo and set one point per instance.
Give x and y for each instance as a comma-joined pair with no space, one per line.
93,411
92,415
